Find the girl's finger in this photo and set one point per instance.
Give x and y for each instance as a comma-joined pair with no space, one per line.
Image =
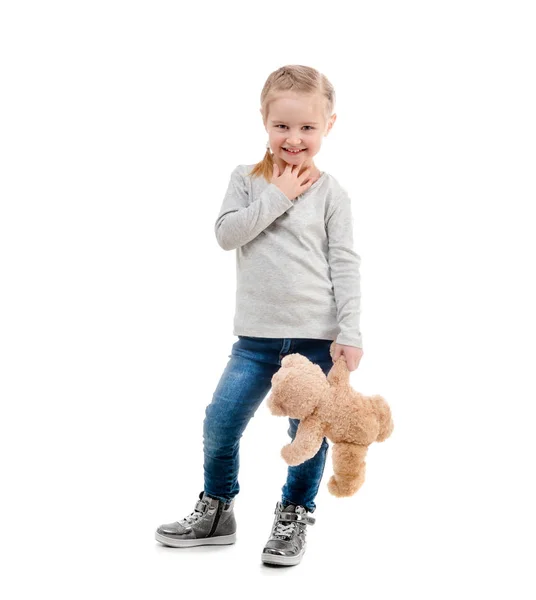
305,174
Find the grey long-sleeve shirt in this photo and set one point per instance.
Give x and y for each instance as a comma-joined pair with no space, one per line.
297,273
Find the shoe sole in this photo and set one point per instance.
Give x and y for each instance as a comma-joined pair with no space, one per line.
278,559
219,540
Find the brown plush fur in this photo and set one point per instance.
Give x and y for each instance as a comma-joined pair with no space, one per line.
329,406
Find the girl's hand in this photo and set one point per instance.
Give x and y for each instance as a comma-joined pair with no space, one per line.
352,355
290,183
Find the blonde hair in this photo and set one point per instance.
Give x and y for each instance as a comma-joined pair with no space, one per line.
295,78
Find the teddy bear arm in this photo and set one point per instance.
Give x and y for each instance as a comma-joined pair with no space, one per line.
306,443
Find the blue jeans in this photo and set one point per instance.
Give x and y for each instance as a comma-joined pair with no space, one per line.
245,382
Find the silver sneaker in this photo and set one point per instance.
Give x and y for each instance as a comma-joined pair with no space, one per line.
211,523
287,543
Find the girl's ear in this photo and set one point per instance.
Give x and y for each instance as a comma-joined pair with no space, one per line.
331,122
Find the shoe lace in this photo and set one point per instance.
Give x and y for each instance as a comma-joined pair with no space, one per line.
194,516
284,530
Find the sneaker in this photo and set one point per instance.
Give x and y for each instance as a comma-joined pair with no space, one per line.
287,544
211,523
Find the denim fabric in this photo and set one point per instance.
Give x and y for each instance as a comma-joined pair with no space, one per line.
245,382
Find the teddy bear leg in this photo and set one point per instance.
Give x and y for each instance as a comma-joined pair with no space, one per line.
348,468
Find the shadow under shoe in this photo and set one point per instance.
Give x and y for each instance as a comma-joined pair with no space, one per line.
211,523
287,542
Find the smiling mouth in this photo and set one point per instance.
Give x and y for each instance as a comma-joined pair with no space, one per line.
294,151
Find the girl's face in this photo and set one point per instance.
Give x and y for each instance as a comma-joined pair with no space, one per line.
296,121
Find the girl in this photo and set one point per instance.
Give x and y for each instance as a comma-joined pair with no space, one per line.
298,290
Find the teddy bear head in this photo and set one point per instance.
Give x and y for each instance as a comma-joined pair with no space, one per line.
304,386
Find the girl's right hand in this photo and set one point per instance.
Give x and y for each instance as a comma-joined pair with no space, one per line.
290,183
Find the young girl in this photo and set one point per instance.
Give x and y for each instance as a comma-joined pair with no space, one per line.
298,290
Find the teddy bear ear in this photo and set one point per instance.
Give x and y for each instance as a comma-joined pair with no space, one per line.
295,360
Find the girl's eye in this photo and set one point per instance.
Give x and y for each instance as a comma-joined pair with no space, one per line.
281,125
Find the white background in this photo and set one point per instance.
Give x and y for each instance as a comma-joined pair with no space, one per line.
120,125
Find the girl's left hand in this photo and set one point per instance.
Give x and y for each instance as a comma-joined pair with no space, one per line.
351,354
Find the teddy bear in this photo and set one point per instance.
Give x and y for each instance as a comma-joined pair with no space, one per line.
330,407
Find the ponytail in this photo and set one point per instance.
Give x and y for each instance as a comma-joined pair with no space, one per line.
264,168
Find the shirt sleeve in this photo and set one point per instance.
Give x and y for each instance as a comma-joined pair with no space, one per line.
240,220
344,265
